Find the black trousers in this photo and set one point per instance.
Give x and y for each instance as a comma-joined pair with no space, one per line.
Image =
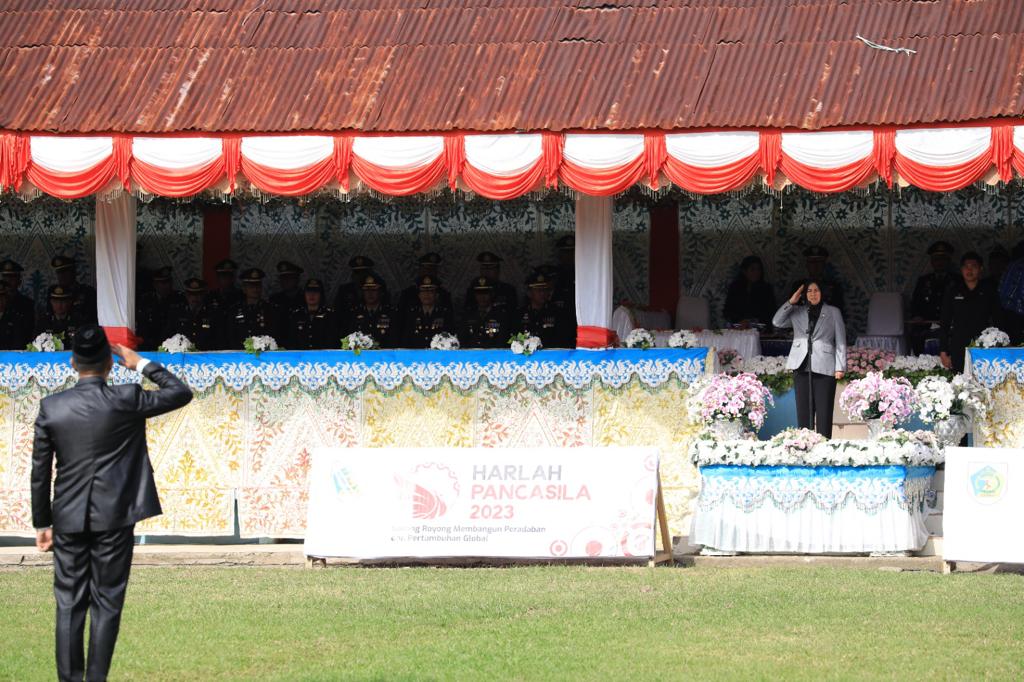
90,574
815,397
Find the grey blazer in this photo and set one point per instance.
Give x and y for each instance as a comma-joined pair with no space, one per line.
828,354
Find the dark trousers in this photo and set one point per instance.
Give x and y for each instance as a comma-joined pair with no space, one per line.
815,396
90,574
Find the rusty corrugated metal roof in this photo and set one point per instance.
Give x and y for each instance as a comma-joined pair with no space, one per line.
165,66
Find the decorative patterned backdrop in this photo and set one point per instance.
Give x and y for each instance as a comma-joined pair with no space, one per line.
876,240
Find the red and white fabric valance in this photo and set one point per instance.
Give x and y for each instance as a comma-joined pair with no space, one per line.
507,166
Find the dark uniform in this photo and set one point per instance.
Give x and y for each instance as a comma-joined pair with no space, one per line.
313,328
504,293
290,297
15,328
350,293
410,296
564,294
487,326
831,290
83,296
11,271
965,314
421,323
61,319
929,292
378,320
151,319
194,317
228,295
540,318
250,319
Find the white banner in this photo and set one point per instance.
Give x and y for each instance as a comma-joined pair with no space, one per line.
482,502
983,505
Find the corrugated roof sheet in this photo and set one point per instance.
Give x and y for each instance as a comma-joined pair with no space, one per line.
164,66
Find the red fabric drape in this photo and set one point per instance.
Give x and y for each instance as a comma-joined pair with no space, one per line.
769,153
454,157
123,160
942,178
123,336
605,181
400,182
343,159
503,186
828,180
883,152
232,147
552,146
594,337
701,180
655,154
1002,150
14,159
292,182
72,185
181,182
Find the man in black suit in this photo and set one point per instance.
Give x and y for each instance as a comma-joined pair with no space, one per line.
104,487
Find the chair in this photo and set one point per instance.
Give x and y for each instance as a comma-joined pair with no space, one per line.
692,312
885,323
622,321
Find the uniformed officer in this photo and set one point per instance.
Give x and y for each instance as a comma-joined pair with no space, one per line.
313,326
195,317
15,328
254,316
816,263
83,296
488,325
372,316
290,297
967,309
151,320
350,293
540,318
228,295
564,294
427,319
61,319
429,264
929,292
504,293
10,272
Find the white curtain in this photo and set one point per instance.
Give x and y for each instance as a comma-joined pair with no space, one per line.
116,219
594,261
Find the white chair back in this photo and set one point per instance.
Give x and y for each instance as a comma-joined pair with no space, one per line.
885,314
622,322
691,312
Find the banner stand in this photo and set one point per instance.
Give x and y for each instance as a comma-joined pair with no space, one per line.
663,555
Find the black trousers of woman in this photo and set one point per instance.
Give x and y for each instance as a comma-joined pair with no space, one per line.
818,407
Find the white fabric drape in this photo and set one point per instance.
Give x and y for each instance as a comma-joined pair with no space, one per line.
399,152
1018,137
602,151
287,153
828,149
70,154
594,261
116,220
503,155
712,150
943,146
177,153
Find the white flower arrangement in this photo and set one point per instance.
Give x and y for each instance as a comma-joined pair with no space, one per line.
765,365
179,343
257,344
46,343
358,342
915,363
939,398
683,338
899,448
992,337
444,341
639,338
524,344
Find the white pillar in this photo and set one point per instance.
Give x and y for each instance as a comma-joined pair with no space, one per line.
594,271
116,219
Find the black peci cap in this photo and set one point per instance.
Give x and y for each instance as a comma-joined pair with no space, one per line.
90,344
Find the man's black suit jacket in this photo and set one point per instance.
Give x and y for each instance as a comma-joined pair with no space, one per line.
98,433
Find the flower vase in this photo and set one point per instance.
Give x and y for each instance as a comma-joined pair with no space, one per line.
950,431
875,429
727,429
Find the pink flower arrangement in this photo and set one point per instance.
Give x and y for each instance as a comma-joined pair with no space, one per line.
875,397
740,397
864,360
729,359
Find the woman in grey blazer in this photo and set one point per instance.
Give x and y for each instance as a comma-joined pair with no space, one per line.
818,355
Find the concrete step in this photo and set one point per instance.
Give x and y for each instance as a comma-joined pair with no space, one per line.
932,548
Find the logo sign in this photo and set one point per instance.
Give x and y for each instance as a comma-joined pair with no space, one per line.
987,481
486,502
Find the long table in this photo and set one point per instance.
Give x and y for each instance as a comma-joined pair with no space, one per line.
247,436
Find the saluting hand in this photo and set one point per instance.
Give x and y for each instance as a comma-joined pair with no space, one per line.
795,298
126,357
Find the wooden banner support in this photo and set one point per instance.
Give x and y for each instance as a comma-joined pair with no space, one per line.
664,555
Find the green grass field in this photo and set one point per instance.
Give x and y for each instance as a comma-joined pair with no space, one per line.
559,622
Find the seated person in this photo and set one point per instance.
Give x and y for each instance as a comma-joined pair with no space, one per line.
61,319
487,325
504,293
15,328
195,317
750,299
314,326
429,264
541,319
372,316
421,323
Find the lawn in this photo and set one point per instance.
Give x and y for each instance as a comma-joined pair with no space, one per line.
556,622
